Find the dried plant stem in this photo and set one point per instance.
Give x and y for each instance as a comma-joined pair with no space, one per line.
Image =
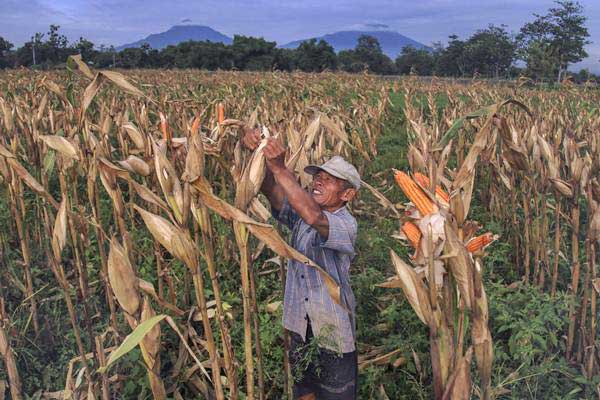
210,341
526,234
241,237
584,304
209,257
543,243
59,273
102,363
257,344
18,211
79,261
9,359
557,233
574,277
593,310
108,293
287,378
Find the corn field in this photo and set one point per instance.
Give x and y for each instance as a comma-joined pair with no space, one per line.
139,259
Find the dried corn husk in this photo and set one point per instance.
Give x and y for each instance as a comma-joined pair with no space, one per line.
122,278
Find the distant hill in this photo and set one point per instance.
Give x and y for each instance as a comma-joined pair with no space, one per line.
178,34
391,42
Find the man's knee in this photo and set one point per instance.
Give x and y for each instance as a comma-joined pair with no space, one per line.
310,396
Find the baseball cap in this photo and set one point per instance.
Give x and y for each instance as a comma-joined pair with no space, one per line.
339,168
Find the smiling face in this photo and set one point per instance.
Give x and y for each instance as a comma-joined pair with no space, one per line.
330,192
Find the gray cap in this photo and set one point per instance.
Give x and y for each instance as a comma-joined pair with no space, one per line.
339,168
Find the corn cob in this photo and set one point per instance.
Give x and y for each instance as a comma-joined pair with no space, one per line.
220,113
440,194
413,233
195,126
414,193
479,242
164,127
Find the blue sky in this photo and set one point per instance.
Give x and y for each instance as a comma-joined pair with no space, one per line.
117,22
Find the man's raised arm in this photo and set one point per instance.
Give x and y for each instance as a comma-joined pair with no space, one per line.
285,181
269,188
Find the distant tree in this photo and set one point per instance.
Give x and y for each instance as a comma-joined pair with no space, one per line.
450,60
56,47
285,59
5,53
104,57
367,55
415,61
489,52
349,62
86,49
558,37
253,54
369,51
313,56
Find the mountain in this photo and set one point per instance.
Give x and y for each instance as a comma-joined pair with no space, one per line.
180,33
391,42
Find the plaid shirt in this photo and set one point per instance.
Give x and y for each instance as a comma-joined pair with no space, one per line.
306,293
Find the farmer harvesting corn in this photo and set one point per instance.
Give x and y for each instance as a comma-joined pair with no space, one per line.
324,230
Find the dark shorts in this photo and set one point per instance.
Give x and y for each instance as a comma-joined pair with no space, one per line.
327,374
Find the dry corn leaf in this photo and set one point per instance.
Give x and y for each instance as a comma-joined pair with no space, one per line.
460,264
150,344
88,95
122,278
83,67
60,144
459,383
31,181
169,182
596,283
135,135
59,234
135,165
413,288
122,82
149,196
174,239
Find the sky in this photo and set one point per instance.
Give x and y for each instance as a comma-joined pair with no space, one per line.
122,21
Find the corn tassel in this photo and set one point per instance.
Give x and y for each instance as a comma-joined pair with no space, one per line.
414,193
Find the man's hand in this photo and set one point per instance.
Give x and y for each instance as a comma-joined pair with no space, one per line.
274,152
251,138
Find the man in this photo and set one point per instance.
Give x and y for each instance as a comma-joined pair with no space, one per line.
323,230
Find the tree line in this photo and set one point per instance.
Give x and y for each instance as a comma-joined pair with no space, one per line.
542,49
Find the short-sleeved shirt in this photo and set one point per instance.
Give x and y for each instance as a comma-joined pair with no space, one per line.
306,294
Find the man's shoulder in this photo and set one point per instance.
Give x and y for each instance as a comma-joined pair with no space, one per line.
346,216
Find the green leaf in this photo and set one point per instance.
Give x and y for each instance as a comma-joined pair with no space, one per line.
487,111
132,340
49,160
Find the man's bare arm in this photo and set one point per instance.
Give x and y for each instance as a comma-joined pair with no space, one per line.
302,202
273,191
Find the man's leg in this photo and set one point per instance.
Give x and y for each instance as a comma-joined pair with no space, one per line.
310,396
302,369
338,376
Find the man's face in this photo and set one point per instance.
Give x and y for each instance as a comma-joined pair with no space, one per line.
330,192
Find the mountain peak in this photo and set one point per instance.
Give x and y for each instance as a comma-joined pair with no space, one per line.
391,41
180,33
